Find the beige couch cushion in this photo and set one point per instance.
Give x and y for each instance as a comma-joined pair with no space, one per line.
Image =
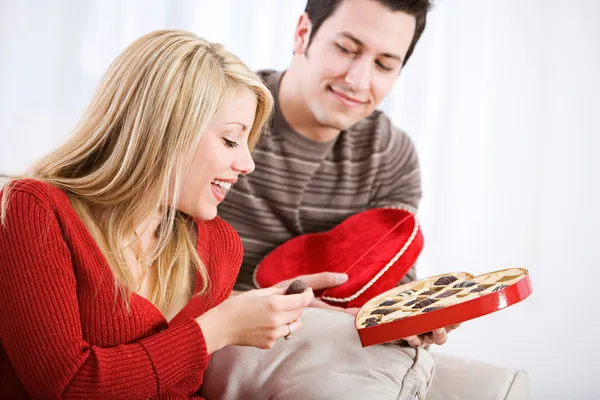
324,360
460,378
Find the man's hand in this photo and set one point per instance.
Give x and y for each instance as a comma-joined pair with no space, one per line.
438,336
320,281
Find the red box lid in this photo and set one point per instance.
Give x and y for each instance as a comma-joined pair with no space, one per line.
375,248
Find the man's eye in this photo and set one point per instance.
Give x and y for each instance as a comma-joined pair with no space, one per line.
230,143
384,67
344,50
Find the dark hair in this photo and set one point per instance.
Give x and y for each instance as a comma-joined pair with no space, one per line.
319,10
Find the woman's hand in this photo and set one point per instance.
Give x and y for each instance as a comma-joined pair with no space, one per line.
319,281
255,318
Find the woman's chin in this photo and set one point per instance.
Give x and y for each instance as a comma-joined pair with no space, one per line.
206,213
203,212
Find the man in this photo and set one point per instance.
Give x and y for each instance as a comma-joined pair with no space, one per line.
329,153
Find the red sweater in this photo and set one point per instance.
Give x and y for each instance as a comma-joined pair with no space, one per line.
62,334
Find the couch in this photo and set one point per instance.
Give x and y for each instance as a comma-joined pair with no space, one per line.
446,377
324,360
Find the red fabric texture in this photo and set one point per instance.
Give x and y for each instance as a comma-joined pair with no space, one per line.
361,246
62,332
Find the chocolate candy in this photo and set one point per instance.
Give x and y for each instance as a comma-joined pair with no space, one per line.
428,309
446,294
371,319
429,292
382,311
507,278
465,284
499,288
477,290
297,286
424,303
370,323
410,303
445,280
388,303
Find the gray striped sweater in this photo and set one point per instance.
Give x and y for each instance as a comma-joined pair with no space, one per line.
301,186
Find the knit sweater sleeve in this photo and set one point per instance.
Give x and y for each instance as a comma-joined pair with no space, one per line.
40,326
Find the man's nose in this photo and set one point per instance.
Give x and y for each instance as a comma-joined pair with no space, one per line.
359,74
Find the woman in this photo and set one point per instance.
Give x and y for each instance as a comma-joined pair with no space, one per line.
115,274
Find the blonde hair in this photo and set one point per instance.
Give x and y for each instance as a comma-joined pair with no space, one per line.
129,154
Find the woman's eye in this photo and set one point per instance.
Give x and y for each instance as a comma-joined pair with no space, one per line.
230,143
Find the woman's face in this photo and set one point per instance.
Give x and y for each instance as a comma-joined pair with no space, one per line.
220,157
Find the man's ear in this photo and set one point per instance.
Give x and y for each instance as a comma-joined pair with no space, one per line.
302,34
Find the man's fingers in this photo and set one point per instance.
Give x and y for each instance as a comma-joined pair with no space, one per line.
439,336
414,341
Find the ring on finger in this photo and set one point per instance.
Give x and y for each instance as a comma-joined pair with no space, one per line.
291,333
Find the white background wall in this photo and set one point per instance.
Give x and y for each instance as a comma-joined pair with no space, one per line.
501,98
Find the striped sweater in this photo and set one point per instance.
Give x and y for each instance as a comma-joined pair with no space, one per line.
63,334
301,186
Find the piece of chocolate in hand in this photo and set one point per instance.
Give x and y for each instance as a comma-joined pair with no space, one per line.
297,286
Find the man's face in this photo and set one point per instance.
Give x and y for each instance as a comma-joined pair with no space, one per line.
352,61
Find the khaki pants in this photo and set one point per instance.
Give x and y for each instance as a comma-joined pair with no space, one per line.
324,360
